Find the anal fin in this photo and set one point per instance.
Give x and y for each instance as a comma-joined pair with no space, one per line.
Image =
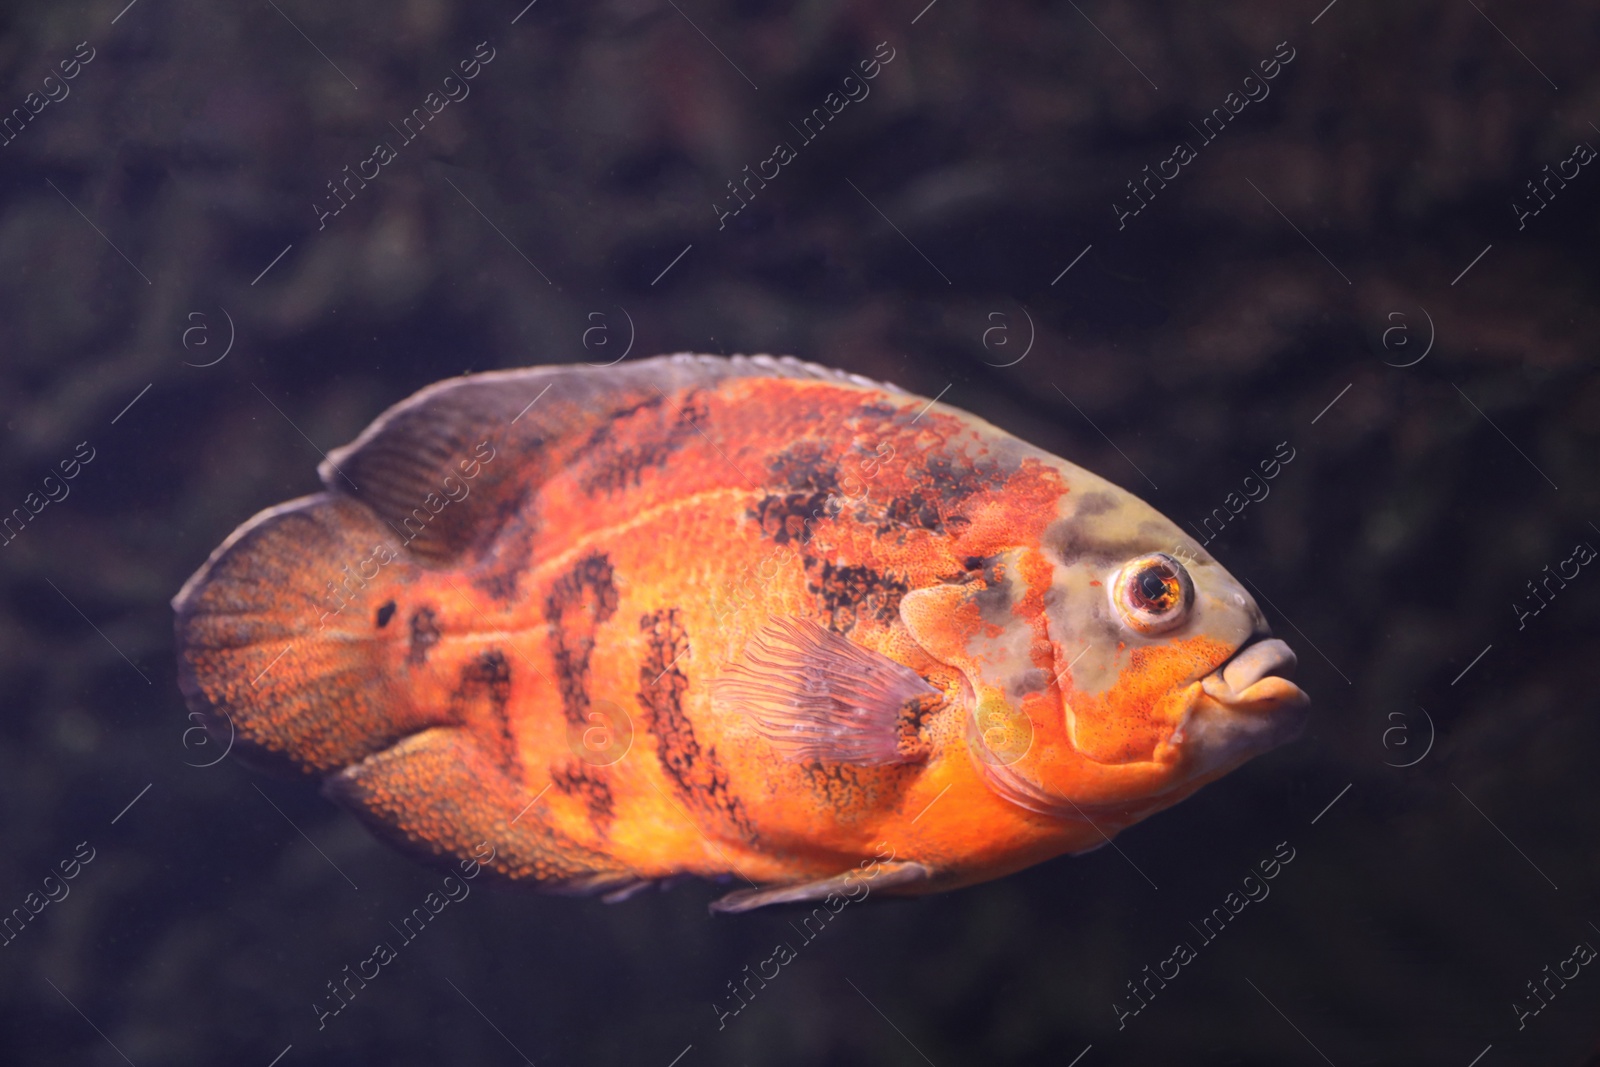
440,795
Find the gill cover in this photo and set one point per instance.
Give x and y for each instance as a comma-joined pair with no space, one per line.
1097,664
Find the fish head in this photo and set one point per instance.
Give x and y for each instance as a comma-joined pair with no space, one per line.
1110,666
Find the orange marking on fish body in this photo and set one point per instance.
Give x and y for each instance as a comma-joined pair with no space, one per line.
1129,721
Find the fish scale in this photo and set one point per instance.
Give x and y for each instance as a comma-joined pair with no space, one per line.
808,615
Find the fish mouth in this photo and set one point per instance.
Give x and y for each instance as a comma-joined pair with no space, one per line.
1256,676
1247,706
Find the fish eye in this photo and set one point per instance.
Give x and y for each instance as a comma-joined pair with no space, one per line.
1153,593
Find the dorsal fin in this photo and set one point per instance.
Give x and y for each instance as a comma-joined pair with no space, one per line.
421,462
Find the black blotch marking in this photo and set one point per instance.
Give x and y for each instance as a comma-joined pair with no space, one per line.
512,549
574,779
1071,544
912,512
994,602
971,570
1032,680
848,594
944,483
696,771
954,478
424,635
385,613
914,716
804,467
612,469
854,793
784,518
579,602
842,787
488,678
501,583
601,434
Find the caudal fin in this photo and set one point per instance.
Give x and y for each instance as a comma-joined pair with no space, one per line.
282,640
278,637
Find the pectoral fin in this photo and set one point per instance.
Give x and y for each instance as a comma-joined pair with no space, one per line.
818,695
849,885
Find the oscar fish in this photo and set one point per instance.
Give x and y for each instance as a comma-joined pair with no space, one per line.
750,620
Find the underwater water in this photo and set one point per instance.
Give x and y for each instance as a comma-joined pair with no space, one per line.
1171,243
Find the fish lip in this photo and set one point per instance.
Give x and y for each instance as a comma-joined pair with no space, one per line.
1248,704
1258,673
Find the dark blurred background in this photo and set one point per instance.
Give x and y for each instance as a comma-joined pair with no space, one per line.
1353,239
